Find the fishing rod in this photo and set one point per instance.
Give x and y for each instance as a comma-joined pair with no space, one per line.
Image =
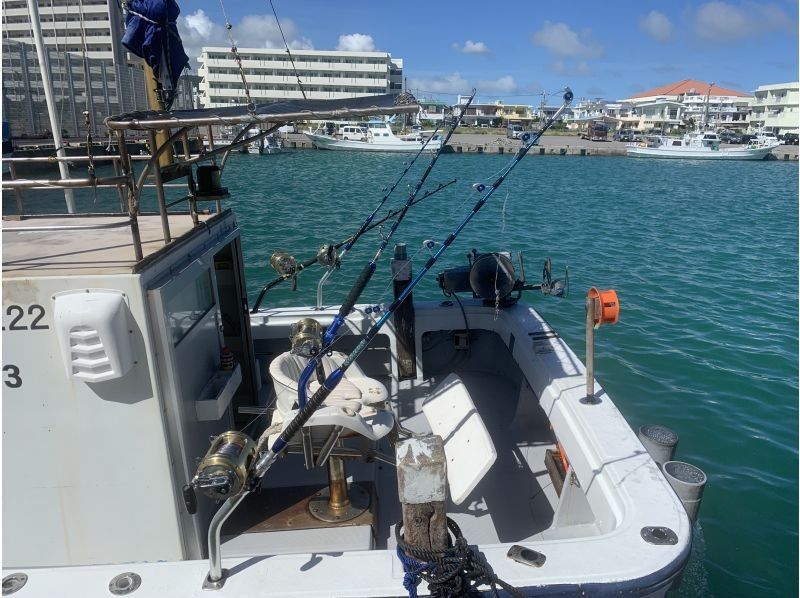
322,256
266,459
369,269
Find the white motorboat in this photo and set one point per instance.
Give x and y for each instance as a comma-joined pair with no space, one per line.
132,345
378,137
699,146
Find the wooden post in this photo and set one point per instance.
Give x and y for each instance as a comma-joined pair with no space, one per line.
422,487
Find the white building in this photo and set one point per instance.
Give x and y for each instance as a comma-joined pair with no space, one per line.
270,75
685,103
775,108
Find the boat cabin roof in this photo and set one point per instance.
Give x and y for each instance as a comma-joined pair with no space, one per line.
89,251
285,111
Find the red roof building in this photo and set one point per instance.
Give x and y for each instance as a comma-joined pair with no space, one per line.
687,87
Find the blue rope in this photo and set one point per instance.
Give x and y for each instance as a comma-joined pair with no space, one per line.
412,568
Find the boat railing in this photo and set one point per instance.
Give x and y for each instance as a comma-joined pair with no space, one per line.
129,187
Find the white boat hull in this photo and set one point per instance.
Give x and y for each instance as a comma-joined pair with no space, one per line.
395,145
758,153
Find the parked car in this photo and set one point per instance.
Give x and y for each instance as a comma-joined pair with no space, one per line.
596,131
623,135
790,139
514,131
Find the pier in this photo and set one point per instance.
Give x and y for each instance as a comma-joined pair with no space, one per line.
549,145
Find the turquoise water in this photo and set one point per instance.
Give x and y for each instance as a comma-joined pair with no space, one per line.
703,256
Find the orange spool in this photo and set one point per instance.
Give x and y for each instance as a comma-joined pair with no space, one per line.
609,306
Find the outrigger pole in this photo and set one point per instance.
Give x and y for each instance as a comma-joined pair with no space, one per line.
266,459
350,240
369,269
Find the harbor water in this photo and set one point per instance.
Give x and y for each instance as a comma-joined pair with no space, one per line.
703,255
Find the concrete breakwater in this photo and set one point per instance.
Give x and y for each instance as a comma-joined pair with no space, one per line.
549,145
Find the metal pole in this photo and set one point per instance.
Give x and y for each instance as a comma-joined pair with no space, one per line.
133,205
591,314
162,204
55,127
17,192
216,574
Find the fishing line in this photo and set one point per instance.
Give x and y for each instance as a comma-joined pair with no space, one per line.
291,59
267,458
369,269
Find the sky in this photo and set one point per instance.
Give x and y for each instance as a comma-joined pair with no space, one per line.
518,50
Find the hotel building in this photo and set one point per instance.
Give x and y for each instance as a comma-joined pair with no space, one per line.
774,108
271,76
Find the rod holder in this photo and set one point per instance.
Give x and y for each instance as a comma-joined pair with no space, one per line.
688,482
659,441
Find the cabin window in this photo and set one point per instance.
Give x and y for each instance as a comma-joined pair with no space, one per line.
189,305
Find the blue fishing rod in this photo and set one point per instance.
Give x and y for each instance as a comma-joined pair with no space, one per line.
267,458
348,245
369,269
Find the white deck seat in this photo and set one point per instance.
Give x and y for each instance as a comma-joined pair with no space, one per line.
354,403
468,446
355,389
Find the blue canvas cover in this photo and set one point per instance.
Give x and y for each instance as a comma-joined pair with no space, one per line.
151,33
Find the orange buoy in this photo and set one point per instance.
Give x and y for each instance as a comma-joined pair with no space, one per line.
609,306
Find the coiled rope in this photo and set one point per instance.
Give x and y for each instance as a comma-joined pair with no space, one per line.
457,571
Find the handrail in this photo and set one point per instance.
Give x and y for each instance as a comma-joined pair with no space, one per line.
65,183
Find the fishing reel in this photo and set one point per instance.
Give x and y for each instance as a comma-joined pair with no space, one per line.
327,257
224,470
306,338
285,265
491,277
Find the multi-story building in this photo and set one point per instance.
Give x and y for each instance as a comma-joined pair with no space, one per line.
494,113
270,75
78,37
774,108
689,103
431,110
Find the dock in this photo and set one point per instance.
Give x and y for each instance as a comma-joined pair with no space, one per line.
549,145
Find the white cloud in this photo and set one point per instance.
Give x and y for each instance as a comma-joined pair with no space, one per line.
502,85
721,21
471,47
253,31
560,40
356,42
657,26
453,83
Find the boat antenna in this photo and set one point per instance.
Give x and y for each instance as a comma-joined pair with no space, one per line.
349,241
366,274
705,116
286,45
251,107
266,459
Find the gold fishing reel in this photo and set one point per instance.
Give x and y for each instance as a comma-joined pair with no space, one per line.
224,469
306,337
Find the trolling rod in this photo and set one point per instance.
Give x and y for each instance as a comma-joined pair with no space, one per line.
266,459
365,226
350,240
369,269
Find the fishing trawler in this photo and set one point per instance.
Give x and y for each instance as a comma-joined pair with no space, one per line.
161,437
699,146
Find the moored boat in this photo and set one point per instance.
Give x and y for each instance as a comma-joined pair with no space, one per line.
378,137
699,146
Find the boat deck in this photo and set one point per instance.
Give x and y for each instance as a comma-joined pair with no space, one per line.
87,251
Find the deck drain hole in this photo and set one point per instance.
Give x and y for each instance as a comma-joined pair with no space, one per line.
124,583
12,583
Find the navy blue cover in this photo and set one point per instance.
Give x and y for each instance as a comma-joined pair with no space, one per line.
151,33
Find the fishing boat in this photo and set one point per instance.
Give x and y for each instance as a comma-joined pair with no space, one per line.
161,437
132,344
378,137
698,146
